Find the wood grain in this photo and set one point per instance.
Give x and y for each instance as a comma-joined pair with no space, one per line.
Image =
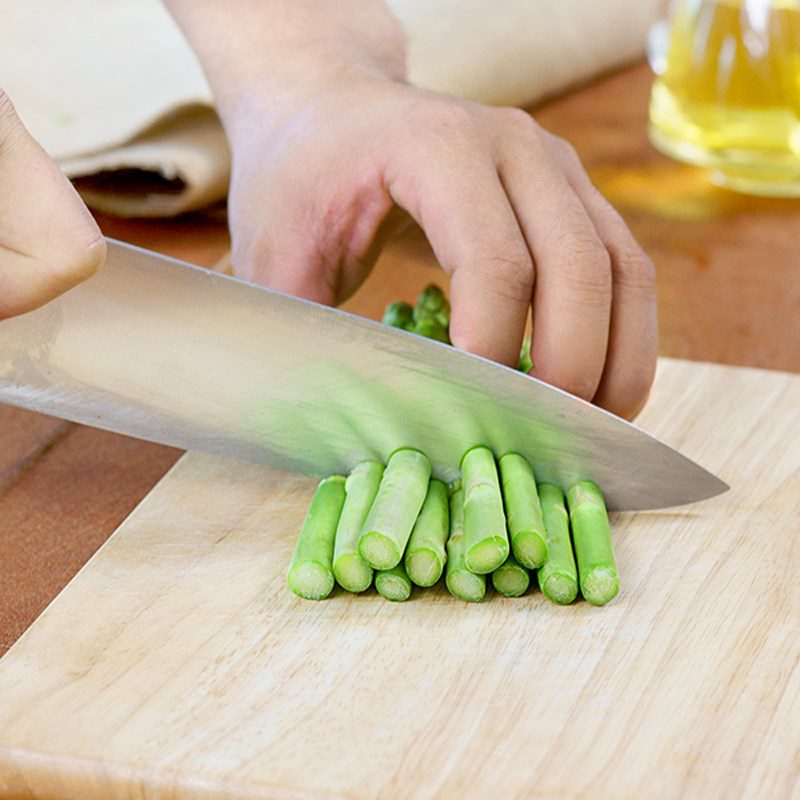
178,665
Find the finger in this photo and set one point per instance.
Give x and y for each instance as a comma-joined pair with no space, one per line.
49,241
475,237
633,338
572,295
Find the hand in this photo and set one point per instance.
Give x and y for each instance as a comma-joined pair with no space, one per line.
510,213
49,241
329,141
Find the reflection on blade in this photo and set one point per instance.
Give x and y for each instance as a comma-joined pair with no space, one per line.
179,355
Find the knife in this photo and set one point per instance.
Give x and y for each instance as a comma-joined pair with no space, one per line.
172,353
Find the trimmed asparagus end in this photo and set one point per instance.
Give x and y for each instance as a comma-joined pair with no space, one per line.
466,586
352,573
393,584
424,567
559,587
486,555
600,585
310,580
529,549
511,579
379,551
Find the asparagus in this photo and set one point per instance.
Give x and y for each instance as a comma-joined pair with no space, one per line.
525,363
349,569
511,578
486,539
525,524
432,302
399,315
393,584
591,534
310,573
558,578
390,520
460,582
431,328
426,552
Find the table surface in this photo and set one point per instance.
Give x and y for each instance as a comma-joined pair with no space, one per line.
729,291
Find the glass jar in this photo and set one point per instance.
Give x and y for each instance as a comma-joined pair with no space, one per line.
727,91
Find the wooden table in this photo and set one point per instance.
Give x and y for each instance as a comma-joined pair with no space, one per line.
729,291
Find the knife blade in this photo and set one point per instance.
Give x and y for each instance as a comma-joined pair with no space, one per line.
172,353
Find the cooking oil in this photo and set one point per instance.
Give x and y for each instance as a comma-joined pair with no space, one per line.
728,93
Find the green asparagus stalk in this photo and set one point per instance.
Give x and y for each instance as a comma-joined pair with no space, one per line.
393,584
433,302
388,526
591,534
511,578
399,315
426,552
525,524
484,519
558,578
460,582
311,573
350,570
525,363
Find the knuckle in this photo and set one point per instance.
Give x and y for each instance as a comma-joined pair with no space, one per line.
634,270
512,275
587,265
518,118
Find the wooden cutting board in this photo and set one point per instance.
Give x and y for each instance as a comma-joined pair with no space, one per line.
177,665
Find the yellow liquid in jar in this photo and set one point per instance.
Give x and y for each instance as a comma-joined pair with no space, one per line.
729,96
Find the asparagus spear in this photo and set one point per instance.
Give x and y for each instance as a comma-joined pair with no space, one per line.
426,552
349,569
310,573
390,520
591,534
399,315
525,524
525,363
558,578
484,518
511,578
460,582
393,584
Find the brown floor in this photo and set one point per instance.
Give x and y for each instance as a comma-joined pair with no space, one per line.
729,291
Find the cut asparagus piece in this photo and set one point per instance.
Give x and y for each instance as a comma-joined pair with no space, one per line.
391,519
591,533
431,328
311,571
525,363
525,524
399,315
350,570
426,552
511,578
393,584
558,578
460,582
484,519
433,302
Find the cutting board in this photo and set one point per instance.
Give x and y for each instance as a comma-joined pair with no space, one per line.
177,665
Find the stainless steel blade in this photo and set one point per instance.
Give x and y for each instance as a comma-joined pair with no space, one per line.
164,351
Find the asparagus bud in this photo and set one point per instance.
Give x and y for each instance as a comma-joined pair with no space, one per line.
350,570
484,518
310,573
460,582
431,328
525,524
390,520
558,578
393,584
433,302
426,553
511,578
591,534
399,315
